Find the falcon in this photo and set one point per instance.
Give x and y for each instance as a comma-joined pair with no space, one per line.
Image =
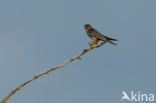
96,36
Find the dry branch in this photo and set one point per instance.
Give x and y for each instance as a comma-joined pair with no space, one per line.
49,70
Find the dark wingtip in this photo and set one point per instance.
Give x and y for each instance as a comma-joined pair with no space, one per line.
112,39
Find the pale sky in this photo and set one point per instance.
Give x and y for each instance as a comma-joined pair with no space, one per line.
38,34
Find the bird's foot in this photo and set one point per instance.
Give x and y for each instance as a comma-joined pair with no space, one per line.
90,43
93,42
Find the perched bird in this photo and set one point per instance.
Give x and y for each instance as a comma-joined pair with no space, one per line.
97,36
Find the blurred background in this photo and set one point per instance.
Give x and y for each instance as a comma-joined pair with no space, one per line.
36,35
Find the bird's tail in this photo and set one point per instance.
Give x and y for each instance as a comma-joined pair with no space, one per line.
111,39
112,42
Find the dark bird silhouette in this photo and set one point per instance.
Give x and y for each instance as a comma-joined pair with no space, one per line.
97,36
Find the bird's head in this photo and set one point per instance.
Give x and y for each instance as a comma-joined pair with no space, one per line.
86,26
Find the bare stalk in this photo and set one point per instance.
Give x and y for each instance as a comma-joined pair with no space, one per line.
49,70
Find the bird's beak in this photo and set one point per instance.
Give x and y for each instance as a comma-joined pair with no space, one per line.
85,27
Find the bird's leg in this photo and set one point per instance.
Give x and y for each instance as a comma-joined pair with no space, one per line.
90,43
93,42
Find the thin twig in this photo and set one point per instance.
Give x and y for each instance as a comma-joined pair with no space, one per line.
49,70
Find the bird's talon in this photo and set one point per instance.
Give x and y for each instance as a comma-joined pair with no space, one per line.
90,43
